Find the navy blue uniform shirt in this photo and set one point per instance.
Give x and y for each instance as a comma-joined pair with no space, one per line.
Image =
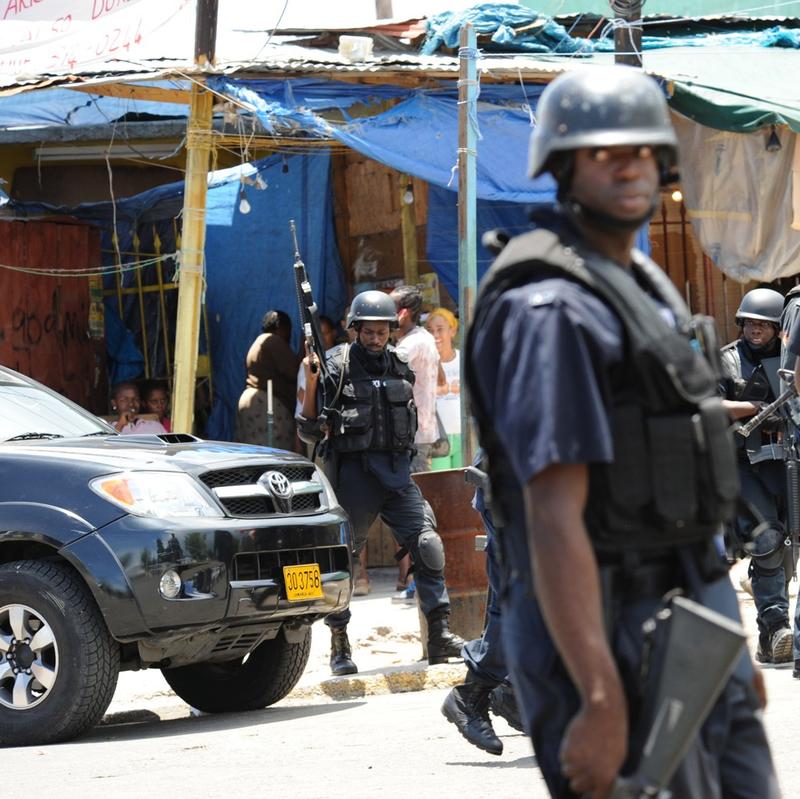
542,360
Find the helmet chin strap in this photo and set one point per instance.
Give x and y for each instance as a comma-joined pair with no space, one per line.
580,212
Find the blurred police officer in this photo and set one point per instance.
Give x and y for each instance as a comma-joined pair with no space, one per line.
364,414
486,684
750,366
590,422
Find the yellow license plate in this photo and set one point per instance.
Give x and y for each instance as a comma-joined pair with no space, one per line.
302,582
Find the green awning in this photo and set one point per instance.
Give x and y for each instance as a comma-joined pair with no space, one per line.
736,89
673,8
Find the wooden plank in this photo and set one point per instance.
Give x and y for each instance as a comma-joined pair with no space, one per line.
131,91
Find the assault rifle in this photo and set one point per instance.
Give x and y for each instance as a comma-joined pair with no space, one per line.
309,313
695,650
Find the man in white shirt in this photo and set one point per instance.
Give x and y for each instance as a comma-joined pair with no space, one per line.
417,347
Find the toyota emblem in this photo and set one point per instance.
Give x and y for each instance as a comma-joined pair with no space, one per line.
278,484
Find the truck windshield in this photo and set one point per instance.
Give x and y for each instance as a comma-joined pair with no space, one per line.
29,411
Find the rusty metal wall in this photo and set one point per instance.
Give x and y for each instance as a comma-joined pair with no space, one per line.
51,322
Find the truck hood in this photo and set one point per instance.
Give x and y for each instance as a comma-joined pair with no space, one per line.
104,455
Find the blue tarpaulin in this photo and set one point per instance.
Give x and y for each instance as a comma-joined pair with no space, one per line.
420,136
250,259
442,232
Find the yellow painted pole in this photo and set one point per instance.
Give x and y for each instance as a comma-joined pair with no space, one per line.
192,266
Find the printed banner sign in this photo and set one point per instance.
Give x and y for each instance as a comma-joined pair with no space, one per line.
40,37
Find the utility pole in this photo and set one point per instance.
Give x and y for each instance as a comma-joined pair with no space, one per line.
467,200
193,237
628,37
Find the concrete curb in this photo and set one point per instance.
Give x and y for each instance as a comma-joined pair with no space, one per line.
392,680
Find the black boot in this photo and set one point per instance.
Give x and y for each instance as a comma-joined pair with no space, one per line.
467,706
503,702
796,670
775,644
341,662
442,644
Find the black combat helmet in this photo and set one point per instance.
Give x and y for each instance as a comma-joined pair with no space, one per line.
764,304
372,306
602,107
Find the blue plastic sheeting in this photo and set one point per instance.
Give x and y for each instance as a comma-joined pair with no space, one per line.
541,34
514,28
442,236
772,37
311,94
56,107
250,259
420,136
277,118
125,361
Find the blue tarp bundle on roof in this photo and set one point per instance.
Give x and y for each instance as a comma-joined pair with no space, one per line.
539,34
514,28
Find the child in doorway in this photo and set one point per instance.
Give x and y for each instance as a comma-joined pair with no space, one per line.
156,400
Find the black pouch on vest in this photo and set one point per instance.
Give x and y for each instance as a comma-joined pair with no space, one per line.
400,396
628,482
673,467
356,417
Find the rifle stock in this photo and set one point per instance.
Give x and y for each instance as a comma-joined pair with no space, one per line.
701,648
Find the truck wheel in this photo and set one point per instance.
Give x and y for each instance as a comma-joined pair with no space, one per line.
260,679
58,662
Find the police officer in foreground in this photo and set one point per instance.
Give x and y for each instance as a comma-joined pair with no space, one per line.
365,417
590,423
750,366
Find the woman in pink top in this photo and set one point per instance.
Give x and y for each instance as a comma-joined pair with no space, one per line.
125,401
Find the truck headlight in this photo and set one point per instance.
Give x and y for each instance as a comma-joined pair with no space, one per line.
162,495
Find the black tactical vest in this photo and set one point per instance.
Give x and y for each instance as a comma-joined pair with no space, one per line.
674,478
376,412
762,444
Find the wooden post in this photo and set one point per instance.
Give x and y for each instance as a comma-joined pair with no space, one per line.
467,198
383,9
193,238
628,38
408,220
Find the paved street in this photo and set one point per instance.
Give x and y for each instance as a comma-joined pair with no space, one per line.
388,746
313,745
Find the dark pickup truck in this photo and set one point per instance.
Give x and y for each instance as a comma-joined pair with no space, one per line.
207,560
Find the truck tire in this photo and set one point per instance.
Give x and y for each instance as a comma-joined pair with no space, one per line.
58,663
260,679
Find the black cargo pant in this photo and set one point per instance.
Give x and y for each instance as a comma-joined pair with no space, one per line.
364,498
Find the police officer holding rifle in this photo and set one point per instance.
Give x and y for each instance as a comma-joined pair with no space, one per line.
610,456
362,412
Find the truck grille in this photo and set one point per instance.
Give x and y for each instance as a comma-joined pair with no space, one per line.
246,493
269,565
